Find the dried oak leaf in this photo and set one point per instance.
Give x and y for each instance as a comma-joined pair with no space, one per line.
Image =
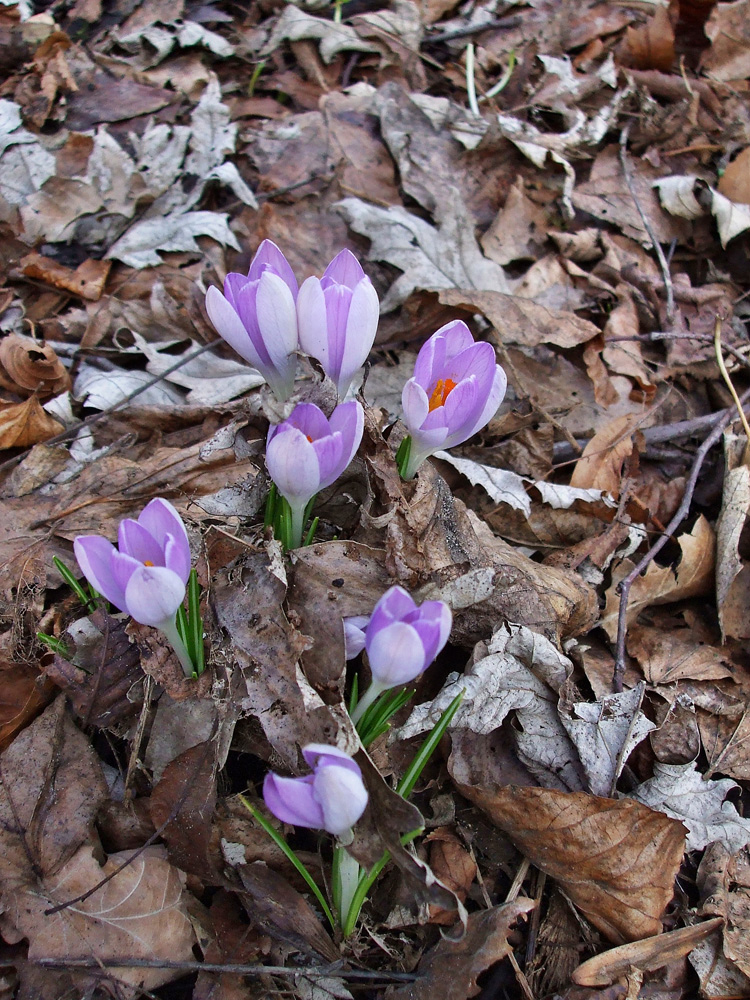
615,859
27,423
452,968
23,693
141,912
30,366
52,786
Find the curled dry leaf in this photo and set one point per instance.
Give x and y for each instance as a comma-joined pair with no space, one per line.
30,366
615,859
600,465
25,424
662,584
450,971
86,281
647,955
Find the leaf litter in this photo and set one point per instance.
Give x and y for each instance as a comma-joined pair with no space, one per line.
571,180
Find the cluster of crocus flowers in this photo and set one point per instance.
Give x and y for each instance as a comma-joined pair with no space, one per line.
267,319
456,389
147,574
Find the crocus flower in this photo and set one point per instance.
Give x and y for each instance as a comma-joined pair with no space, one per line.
332,798
456,389
354,635
257,316
147,574
338,318
402,640
308,452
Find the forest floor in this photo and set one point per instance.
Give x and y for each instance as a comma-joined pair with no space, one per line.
571,179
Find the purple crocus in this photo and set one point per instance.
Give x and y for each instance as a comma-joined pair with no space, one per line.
308,452
456,389
402,640
338,318
332,798
146,575
257,316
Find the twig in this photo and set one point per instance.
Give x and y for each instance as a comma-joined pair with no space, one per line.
520,977
666,276
235,969
70,432
679,517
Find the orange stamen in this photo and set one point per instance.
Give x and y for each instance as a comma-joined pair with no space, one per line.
147,562
309,438
443,388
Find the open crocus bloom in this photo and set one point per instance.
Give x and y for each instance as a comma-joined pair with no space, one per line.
257,316
147,576
332,798
308,452
456,389
338,318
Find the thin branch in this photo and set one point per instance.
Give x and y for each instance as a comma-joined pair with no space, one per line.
663,264
679,517
234,969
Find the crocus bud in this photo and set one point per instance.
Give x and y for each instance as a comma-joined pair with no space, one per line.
308,452
338,318
257,316
354,635
146,576
456,389
332,798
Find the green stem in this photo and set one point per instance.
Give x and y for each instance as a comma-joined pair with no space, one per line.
297,525
346,875
276,837
170,630
366,700
366,882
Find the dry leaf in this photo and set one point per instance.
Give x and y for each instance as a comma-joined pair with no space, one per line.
652,953
23,693
600,465
86,281
681,792
651,46
29,366
728,28
732,571
451,969
615,859
724,884
141,912
669,655
25,424
726,742
734,183
662,584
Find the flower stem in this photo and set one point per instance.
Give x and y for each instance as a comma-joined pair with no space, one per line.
346,875
298,524
366,700
169,628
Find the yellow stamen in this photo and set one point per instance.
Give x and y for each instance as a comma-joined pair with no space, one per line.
147,562
443,388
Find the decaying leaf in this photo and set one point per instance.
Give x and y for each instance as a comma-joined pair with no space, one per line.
28,366
451,969
86,281
724,884
25,424
680,791
143,242
615,859
141,913
732,571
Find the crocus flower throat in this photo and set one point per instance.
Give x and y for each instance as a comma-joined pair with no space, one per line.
443,388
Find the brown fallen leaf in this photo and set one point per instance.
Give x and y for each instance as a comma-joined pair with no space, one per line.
281,912
734,183
141,912
650,46
647,955
728,28
662,584
724,884
600,465
23,693
669,655
726,742
732,570
27,423
52,786
453,865
450,971
29,366
615,859
86,281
